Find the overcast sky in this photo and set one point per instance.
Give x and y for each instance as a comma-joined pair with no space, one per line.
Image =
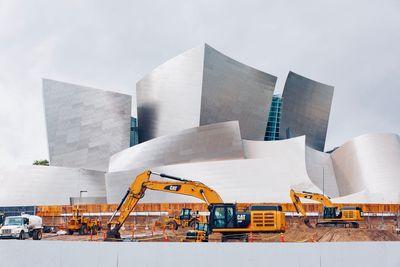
352,45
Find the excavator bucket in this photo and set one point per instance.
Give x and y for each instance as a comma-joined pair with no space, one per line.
307,222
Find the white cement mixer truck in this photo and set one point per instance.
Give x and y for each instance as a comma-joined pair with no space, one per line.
22,227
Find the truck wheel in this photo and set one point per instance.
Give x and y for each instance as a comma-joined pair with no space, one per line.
37,235
83,230
21,235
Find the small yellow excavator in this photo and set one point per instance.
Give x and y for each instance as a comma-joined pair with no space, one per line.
224,217
333,216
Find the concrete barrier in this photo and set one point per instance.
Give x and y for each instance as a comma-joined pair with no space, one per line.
15,253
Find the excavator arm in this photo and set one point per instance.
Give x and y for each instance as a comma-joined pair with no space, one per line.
295,196
297,203
138,188
324,200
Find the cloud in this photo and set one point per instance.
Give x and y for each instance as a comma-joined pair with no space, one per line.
354,46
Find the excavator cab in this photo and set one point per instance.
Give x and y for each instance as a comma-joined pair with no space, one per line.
331,213
223,216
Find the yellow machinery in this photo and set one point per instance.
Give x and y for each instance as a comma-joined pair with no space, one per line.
198,234
333,216
224,217
142,182
186,218
82,225
232,224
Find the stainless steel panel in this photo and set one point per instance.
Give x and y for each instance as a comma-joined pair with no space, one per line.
320,170
47,185
267,175
305,111
168,98
234,91
200,87
219,141
85,126
369,163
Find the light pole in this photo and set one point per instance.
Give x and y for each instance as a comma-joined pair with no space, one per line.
323,181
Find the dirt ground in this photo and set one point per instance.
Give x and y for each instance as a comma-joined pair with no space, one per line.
296,232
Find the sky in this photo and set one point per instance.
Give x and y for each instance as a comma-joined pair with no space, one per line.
110,45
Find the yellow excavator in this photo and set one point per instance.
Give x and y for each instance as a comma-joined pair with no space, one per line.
333,216
224,217
138,188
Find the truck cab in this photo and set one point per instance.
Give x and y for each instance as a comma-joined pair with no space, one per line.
22,227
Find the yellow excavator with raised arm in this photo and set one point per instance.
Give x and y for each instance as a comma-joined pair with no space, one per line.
224,217
333,216
138,188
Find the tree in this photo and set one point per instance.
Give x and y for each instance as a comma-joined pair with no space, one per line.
42,162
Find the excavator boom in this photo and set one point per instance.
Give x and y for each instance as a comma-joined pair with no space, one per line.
142,182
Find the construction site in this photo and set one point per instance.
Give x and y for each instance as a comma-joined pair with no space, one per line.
148,224
196,158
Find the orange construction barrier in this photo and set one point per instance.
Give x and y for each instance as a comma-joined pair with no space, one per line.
282,237
133,231
251,237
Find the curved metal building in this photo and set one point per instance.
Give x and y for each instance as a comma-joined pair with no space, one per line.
369,162
203,86
85,126
47,185
219,141
305,110
263,176
202,116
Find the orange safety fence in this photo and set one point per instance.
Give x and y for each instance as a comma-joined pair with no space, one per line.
174,208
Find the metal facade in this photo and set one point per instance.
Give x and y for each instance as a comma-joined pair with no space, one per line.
47,185
369,162
320,170
168,98
219,141
85,126
263,176
305,111
200,87
234,91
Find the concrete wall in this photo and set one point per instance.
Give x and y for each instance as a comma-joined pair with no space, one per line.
17,253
